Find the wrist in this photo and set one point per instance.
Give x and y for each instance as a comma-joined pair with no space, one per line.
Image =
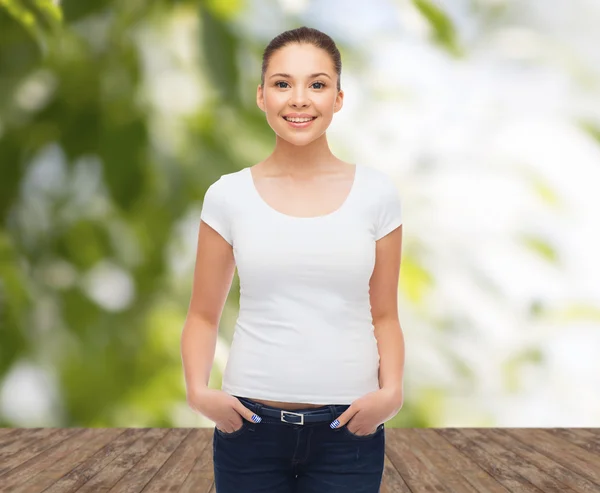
197,391
395,394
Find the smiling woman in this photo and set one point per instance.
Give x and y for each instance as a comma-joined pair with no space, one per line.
299,97
301,78
306,233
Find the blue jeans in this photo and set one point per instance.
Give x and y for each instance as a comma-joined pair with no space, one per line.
275,456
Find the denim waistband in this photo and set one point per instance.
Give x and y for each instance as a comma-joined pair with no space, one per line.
323,413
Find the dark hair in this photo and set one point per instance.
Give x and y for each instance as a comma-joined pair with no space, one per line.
306,35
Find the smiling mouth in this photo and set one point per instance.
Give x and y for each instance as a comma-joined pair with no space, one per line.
307,121
299,125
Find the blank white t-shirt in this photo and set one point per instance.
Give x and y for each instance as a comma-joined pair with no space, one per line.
304,332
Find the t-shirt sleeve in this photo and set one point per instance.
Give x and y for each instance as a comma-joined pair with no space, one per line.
215,210
389,215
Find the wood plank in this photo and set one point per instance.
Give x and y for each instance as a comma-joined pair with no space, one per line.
45,478
142,473
111,474
531,455
456,460
586,439
175,470
10,434
12,461
440,464
22,439
45,458
89,468
506,459
416,475
392,481
201,477
8,431
509,479
581,461
473,474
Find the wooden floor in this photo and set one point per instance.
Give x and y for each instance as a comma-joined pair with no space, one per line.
417,460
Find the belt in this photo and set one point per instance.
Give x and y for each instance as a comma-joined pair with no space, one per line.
328,413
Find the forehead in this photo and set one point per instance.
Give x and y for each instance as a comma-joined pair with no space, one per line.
300,58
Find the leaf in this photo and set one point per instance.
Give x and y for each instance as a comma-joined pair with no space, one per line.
444,32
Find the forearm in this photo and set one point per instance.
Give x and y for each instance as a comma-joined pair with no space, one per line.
390,343
198,344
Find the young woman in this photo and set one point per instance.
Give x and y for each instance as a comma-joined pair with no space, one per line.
317,358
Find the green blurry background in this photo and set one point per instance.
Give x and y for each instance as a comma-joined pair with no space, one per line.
115,117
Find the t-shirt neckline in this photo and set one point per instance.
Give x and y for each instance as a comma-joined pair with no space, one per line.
339,210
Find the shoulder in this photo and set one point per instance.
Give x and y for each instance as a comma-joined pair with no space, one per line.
385,201
227,183
378,180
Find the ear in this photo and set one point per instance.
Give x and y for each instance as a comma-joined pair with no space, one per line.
339,101
260,98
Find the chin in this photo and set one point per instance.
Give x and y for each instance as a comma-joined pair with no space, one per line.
296,142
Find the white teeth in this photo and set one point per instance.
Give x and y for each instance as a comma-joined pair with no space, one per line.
298,120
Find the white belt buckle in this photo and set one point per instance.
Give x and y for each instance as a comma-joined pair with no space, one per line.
296,414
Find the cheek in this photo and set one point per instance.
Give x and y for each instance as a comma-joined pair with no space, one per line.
274,100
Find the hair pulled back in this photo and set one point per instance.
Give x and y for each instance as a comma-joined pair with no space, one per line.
306,35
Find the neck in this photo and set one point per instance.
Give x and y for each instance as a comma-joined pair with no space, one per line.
302,161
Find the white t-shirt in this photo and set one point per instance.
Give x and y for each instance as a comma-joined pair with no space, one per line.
304,332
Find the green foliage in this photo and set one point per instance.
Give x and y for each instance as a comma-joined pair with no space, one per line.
443,29
86,186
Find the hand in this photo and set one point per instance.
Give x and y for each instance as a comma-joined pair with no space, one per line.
366,413
224,409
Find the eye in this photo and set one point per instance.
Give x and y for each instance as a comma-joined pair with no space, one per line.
283,82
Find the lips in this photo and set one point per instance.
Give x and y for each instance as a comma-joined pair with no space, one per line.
303,117
301,124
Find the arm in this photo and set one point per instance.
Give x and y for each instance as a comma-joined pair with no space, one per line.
384,310
379,406
213,274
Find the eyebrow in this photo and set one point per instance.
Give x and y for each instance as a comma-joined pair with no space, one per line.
288,76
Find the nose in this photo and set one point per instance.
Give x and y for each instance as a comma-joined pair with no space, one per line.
298,97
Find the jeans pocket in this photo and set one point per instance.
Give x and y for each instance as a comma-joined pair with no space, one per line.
354,436
234,433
